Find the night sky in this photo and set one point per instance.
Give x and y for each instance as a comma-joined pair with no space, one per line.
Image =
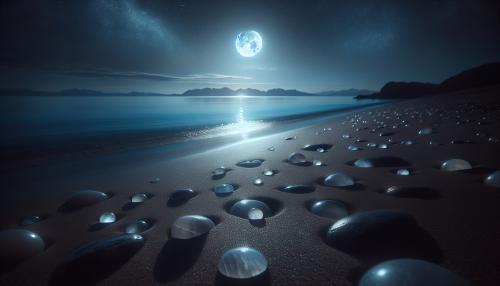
172,46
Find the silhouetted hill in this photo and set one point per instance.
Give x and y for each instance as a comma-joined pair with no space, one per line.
481,76
346,92
393,90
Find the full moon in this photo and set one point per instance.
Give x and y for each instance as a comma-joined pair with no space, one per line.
248,43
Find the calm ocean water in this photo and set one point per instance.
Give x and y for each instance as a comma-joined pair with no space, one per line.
45,118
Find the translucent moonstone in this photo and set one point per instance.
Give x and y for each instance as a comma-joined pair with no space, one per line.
410,272
223,189
258,181
181,196
139,198
250,163
107,217
136,226
317,147
353,148
383,146
190,226
455,165
242,263
333,209
338,179
493,179
219,171
317,163
403,172
17,245
297,189
242,208
106,251
86,198
268,172
255,214
425,131
30,220
296,158
367,230
363,163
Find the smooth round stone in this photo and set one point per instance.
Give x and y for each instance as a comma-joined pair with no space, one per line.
86,198
242,208
353,148
403,172
493,179
258,181
107,217
219,171
297,189
108,249
338,179
181,196
268,172
455,165
255,214
317,163
190,226
425,131
363,163
136,226
242,263
139,198
250,163
361,230
333,209
30,220
223,189
410,272
17,245
296,158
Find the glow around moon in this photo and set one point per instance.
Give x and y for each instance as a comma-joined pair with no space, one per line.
248,43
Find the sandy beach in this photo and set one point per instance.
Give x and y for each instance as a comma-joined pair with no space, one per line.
456,212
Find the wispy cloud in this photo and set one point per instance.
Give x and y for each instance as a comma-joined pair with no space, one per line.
152,76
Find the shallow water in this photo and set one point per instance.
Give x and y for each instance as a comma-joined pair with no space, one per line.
47,118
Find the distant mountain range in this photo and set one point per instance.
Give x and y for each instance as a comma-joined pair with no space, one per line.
192,92
481,76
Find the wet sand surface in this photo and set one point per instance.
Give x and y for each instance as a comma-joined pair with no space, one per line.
455,213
